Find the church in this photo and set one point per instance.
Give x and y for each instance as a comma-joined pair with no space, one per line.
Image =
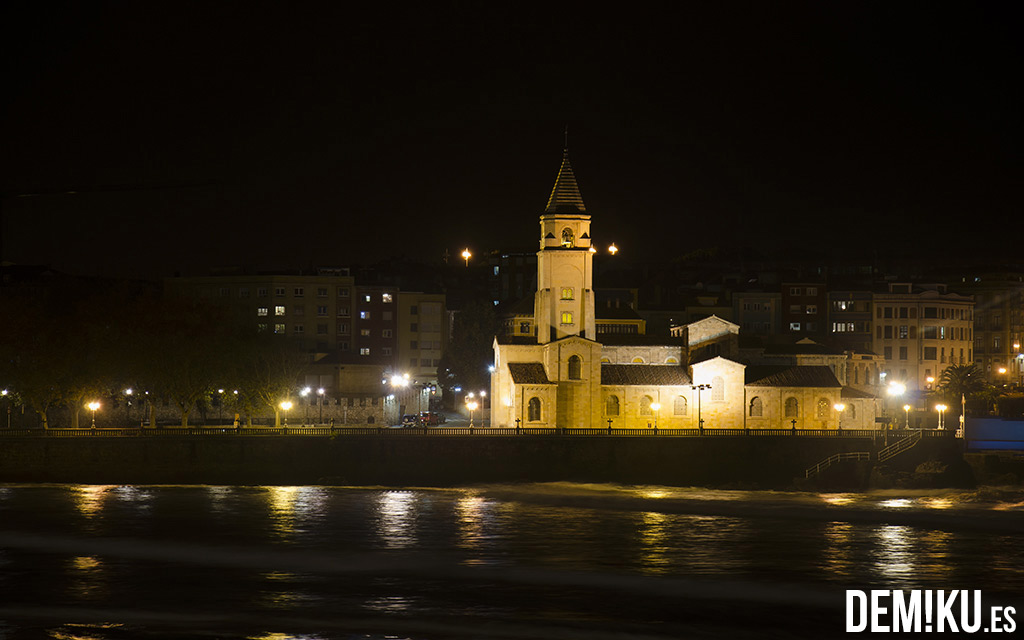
564,364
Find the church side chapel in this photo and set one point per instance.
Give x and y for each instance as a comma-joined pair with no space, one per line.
563,366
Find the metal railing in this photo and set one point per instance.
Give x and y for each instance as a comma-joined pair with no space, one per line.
899,446
901,436
839,457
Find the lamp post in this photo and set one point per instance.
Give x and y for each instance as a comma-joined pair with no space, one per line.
93,406
128,404
285,406
4,393
471,405
220,407
840,407
466,255
896,389
320,401
906,409
655,406
612,249
305,404
941,408
699,388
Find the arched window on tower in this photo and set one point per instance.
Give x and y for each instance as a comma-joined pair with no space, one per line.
611,406
567,238
567,293
533,410
822,410
792,407
756,407
575,367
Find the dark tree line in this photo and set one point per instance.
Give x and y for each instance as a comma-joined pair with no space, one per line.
64,351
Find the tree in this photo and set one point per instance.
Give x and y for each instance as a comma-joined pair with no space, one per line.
471,350
268,370
961,381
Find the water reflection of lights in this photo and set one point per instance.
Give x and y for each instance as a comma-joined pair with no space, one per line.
653,494
285,636
895,556
837,499
837,554
937,503
388,604
218,498
88,577
896,503
396,517
653,534
88,499
471,511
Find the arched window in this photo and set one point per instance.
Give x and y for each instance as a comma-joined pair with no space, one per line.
792,407
567,293
851,411
611,406
856,375
645,406
717,389
638,360
567,238
605,360
756,407
533,410
671,360
575,367
822,411
566,317
679,407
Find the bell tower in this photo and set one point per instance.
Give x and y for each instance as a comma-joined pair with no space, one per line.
564,304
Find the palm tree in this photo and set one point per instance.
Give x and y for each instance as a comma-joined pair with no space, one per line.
959,381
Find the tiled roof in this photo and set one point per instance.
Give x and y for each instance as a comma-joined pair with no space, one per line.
850,392
528,373
565,196
644,374
637,340
788,376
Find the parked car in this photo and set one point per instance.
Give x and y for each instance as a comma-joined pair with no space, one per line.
432,418
411,420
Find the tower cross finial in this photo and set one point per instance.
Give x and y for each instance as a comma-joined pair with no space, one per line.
566,147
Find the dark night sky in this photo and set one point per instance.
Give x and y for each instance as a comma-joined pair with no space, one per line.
203,135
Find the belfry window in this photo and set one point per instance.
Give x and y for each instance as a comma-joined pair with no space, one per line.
575,367
566,317
567,293
567,238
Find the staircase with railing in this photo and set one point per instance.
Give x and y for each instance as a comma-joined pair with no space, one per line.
899,446
839,457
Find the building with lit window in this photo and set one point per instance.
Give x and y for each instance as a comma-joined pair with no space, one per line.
919,330
560,364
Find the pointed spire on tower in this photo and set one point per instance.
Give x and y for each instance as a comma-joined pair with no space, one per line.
565,196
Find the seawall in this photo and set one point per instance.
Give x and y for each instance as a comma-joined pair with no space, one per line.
418,460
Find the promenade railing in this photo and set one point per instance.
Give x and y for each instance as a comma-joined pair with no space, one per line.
446,431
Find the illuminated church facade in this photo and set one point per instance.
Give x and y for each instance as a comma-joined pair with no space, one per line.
556,367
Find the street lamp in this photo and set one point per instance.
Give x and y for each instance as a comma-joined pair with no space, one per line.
612,249
896,389
471,405
286,405
320,401
699,388
906,409
655,406
840,407
93,406
466,255
4,393
305,404
941,408
220,406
